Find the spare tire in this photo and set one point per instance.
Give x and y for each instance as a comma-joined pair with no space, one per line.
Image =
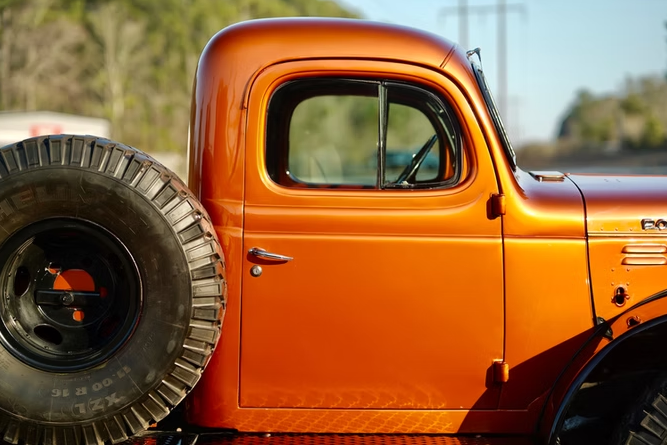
113,291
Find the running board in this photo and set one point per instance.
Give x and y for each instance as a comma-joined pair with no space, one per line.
228,438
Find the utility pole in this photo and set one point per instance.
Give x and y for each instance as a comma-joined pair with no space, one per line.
501,9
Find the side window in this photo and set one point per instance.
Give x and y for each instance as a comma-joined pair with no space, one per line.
408,128
331,139
329,133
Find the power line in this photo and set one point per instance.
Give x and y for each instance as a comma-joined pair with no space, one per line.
501,9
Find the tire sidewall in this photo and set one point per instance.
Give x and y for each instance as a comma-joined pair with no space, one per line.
156,342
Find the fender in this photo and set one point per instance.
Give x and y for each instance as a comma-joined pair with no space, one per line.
647,314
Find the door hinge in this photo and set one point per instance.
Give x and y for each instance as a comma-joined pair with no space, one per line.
497,204
501,371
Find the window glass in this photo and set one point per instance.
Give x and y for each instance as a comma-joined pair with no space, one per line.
331,139
407,130
329,133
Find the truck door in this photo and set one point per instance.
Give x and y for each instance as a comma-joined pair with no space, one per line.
372,269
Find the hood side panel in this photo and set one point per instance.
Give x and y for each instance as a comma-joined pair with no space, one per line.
627,263
617,204
635,267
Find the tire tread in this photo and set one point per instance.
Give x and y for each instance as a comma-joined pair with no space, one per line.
646,422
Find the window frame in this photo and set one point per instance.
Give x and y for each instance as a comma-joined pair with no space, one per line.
277,151
491,107
441,131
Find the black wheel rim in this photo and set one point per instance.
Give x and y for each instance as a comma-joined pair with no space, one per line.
71,294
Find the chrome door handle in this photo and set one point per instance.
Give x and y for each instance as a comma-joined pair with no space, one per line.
261,253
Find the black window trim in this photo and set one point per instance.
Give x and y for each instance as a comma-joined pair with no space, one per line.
456,143
383,122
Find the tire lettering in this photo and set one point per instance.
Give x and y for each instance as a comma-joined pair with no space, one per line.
81,408
97,404
53,193
29,197
41,194
5,209
97,386
112,399
23,199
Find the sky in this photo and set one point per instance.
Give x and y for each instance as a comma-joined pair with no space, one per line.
555,48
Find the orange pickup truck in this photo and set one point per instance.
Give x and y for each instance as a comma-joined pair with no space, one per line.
386,272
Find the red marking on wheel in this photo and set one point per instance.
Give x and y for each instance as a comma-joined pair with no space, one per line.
78,315
74,279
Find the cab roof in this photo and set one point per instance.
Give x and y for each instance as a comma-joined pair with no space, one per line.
270,41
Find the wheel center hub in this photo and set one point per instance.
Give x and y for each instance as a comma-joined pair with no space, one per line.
71,294
67,298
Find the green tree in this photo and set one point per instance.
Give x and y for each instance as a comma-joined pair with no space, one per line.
632,104
118,52
38,55
654,132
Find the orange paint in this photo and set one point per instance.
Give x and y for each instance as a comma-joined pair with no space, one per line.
398,303
74,279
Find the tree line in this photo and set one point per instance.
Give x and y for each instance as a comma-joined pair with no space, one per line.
626,122
129,61
634,118
132,62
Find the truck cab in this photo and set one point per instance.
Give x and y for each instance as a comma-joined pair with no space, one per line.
423,298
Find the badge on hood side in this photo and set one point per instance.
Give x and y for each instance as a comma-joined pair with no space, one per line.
654,224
